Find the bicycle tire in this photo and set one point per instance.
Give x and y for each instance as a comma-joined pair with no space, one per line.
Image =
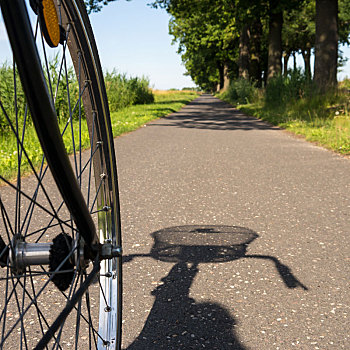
23,222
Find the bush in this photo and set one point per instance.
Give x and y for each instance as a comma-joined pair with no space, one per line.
141,90
294,86
123,91
241,91
61,81
190,89
7,94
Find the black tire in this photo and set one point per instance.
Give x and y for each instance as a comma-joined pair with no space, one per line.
33,210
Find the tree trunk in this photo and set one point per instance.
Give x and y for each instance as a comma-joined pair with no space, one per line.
255,69
307,62
326,48
243,62
294,61
221,76
286,56
226,78
275,45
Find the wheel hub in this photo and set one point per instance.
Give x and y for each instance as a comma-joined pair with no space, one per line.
27,254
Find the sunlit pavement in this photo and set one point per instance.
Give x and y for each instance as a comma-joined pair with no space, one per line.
236,235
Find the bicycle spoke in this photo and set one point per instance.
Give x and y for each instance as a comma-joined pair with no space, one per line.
49,225
87,320
7,225
20,153
91,155
38,294
47,65
70,306
6,221
62,61
44,229
19,307
4,311
71,292
42,173
71,118
77,324
29,161
79,101
87,296
97,193
104,296
35,274
60,222
36,306
30,210
7,300
41,317
18,196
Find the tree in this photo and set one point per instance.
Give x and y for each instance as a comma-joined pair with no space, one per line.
96,5
276,10
257,51
243,63
326,48
249,17
207,37
344,22
275,40
299,33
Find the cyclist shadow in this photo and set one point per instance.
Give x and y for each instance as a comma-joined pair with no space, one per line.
176,320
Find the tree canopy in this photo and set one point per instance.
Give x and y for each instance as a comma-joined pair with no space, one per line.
95,5
226,39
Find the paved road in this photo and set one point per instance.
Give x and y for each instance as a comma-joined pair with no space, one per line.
236,235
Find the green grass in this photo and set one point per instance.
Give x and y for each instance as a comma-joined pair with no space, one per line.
292,104
315,120
133,117
123,121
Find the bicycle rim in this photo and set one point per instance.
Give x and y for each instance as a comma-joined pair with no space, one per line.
32,210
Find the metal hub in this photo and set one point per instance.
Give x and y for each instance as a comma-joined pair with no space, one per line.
27,254
57,255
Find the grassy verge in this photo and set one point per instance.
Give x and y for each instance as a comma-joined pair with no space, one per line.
331,132
292,104
166,102
124,120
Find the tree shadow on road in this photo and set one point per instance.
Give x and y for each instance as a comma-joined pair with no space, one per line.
214,115
176,320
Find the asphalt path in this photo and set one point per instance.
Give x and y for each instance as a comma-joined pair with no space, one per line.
236,235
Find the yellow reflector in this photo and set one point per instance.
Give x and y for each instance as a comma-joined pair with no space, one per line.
50,28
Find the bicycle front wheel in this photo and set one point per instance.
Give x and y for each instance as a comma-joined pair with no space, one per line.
43,257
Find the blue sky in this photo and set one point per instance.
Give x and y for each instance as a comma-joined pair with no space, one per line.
133,39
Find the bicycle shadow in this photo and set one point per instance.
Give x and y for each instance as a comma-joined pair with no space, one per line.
176,320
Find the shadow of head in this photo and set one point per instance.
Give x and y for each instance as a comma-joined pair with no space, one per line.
195,244
201,244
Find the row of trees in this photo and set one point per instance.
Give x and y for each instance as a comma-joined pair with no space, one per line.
221,40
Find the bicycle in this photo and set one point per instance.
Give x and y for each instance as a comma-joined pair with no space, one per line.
60,245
